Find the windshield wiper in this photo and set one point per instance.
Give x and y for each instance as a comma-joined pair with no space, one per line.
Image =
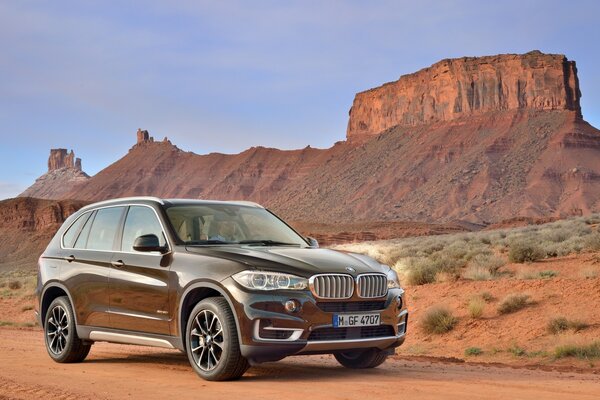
267,242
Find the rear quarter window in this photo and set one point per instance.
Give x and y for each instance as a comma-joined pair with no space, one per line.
70,236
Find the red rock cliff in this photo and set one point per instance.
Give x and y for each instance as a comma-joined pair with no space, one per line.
455,88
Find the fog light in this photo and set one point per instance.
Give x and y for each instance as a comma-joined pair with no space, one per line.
399,301
291,306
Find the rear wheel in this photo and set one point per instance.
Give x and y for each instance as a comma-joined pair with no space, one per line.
212,341
62,343
361,359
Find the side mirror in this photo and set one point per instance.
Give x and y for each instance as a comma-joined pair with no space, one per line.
312,242
148,243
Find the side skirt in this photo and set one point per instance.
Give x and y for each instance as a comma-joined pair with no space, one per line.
98,334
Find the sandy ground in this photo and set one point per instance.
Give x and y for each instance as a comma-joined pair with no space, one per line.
117,371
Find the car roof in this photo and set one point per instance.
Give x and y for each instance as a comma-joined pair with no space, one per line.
166,202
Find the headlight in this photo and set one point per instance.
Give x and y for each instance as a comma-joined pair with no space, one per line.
392,279
260,280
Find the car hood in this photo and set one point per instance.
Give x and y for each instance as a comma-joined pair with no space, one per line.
298,261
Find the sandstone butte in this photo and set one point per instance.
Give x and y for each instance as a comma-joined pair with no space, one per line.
474,139
64,171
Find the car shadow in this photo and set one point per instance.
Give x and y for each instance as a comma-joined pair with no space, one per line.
289,369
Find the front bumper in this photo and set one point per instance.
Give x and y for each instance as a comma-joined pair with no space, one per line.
254,310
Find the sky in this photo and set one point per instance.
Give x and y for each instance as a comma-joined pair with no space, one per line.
223,76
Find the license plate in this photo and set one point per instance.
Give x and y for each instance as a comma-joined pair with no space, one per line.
347,320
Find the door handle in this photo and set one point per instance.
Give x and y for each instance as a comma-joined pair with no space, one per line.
69,258
117,264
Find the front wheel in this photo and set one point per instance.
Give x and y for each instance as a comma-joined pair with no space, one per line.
212,341
361,359
62,343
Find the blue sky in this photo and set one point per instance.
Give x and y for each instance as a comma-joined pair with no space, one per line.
226,75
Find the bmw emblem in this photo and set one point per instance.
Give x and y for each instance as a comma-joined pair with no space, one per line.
350,269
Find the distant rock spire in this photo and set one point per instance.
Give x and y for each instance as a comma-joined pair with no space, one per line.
60,158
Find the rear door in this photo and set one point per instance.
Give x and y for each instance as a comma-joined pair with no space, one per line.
88,254
139,281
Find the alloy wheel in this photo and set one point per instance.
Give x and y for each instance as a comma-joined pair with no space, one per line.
206,340
57,331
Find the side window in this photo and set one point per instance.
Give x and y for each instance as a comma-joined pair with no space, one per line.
104,228
140,221
69,237
85,232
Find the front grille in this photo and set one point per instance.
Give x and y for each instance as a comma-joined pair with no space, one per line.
372,286
332,286
347,306
363,332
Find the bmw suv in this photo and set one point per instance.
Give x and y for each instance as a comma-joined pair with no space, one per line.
228,283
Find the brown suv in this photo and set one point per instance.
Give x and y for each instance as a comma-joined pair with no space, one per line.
228,283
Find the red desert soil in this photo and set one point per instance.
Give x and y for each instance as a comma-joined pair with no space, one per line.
570,294
118,371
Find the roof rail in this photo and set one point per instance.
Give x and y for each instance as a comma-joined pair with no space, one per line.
118,200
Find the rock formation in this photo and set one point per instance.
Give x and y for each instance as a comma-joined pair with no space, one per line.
479,140
59,158
468,86
26,227
64,171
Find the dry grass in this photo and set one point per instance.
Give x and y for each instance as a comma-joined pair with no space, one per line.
562,324
477,273
15,285
513,303
476,307
522,252
480,255
438,320
473,351
487,296
585,352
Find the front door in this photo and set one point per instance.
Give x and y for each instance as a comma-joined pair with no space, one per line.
139,281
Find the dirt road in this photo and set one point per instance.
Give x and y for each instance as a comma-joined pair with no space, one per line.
118,371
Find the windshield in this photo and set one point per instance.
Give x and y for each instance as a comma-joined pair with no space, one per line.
230,224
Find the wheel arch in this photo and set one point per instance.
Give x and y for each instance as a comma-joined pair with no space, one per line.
50,292
195,293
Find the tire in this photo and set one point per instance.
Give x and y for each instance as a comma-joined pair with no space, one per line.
60,335
361,359
212,342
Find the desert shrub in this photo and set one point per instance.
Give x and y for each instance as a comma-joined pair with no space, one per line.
15,285
490,262
473,351
547,274
512,303
536,275
438,320
561,324
592,242
580,351
420,274
558,325
27,308
486,296
517,351
476,273
476,306
521,252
